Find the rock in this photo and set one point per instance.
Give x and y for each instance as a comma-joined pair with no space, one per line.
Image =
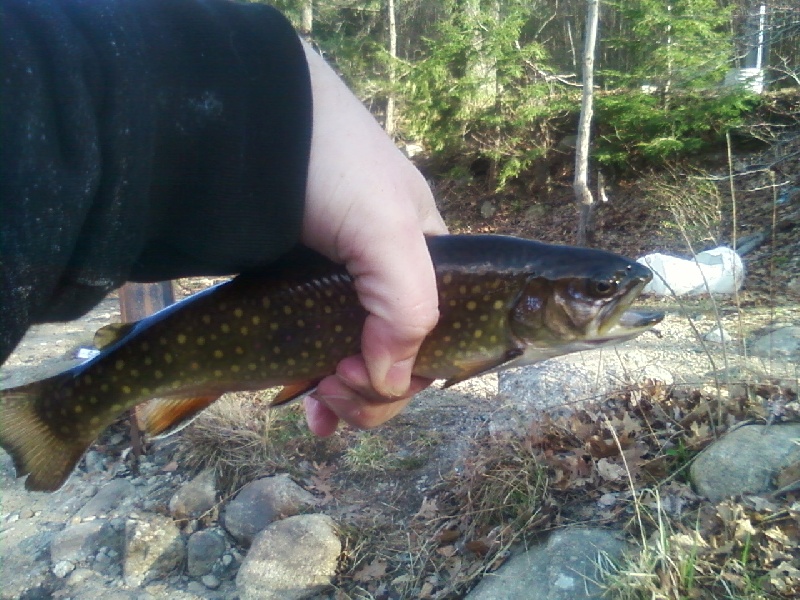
291,559
63,568
563,568
196,497
153,548
783,342
261,502
745,460
203,550
488,209
107,499
718,336
79,542
210,582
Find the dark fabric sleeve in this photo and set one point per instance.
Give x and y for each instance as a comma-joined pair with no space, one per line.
143,140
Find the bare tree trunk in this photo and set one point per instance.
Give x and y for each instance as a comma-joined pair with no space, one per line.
390,100
307,25
583,195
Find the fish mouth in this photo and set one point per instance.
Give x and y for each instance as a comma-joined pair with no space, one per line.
628,325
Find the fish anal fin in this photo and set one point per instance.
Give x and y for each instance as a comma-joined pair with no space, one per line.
481,367
161,417
35,447
292,391
108,334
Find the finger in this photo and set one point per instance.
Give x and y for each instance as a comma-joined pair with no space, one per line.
322,421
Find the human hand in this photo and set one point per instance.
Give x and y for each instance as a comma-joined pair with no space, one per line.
369,208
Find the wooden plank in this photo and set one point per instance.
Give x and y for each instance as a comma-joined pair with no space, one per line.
137,301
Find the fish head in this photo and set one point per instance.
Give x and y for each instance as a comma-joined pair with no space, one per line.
579,302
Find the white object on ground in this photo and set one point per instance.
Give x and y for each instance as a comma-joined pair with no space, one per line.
716,271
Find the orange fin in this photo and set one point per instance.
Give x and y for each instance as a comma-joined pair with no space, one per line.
45,455
161,417
292,391
481,367
108,334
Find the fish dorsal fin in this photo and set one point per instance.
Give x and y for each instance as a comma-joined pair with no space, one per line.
161,417
108,334
481,367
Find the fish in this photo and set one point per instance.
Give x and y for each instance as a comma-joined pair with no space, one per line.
503,302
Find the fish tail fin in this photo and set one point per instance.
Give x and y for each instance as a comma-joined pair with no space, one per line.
36,449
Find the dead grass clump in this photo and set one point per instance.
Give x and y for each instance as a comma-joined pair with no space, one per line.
242,439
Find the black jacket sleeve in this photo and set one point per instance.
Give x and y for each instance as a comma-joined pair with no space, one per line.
143,140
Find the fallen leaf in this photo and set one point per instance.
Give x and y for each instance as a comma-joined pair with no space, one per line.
374,570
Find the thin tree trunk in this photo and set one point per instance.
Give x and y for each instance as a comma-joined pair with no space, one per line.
583,195
307,24
390,99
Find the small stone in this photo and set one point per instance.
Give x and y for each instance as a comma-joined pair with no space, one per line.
210,582
63,568
153,548
83,540
107,499
718,336
291,559
196,497
203,550
26,513
261,502
488,209
783,342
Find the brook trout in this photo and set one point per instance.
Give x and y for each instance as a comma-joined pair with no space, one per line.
503,302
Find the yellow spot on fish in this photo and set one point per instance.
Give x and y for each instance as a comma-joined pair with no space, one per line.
145,391
94,420
168,358
163,341
447,339
225,328
462,289
235,368
291,362
276,349
348,339
328,310
472,305
498,304
78,409
103,387
206,319
337,328
273,366
274,326
320,363
194,366
92,399
342,299
438,353
484,317
256,320
287,310
243,330
134,372
309,303
126,389
158,374
218,354
239,350
452,302
116,407
457,325
447,279
252,366
478,333
304,354
265,302
318,345
181,338
64,429
238,313
201,340
144,346
217,373
87,379
119,365
493,338
301,323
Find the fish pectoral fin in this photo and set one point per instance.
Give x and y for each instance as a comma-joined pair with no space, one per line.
161,417
108,334
292,391
481,367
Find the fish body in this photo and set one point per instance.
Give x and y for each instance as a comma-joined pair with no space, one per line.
503,302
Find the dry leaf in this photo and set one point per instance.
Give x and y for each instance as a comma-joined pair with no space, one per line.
374,570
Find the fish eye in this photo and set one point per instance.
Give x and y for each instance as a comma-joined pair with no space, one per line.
604,287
